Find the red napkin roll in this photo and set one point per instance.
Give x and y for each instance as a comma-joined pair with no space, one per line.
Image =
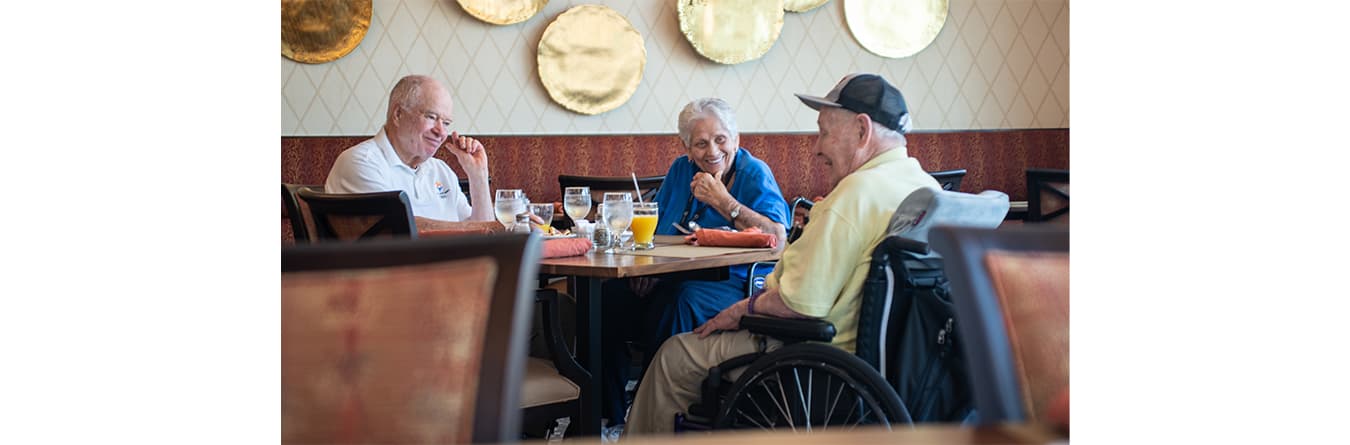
450,232
563,247
751,237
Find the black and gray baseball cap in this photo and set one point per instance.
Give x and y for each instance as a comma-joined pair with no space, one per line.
866,94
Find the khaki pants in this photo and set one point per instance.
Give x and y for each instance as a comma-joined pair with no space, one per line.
672,382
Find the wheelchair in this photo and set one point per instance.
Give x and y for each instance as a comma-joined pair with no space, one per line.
908,366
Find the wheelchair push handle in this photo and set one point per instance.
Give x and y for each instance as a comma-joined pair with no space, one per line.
906,244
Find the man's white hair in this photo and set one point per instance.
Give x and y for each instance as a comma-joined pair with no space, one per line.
407,94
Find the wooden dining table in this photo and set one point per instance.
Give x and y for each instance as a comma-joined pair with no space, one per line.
671,259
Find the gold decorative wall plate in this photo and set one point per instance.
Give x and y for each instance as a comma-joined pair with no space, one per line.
731,31
591,59
802,5
895,28
318,31
502,12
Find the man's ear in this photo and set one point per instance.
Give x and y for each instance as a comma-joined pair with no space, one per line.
864,127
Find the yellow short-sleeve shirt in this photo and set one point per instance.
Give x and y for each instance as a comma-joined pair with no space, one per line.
822,273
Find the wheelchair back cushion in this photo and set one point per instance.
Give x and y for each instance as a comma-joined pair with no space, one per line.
928,207
1033,291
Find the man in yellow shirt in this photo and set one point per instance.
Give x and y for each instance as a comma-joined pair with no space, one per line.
861,146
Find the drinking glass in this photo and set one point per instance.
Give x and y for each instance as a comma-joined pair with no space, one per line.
618,196
644,225
617,216
510,202
545,213
577,202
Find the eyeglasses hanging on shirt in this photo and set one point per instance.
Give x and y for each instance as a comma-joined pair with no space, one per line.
696,207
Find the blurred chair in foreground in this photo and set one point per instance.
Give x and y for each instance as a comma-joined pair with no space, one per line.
403,341
359,216
1047,195
1010,288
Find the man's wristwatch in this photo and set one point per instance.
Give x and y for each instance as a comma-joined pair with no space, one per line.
735,213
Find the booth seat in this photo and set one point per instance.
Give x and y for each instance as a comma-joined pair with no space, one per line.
994,160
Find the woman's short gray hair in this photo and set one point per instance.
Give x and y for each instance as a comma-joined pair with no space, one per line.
706,107
407,94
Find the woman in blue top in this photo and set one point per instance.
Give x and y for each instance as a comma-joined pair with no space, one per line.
716,183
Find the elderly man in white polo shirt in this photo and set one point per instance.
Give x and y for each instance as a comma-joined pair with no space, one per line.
401,157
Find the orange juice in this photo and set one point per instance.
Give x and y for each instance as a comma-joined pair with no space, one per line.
644,228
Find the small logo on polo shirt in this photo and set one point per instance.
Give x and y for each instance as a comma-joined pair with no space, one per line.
440,189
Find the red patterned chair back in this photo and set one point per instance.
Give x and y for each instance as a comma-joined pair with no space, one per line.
1011,292
406,341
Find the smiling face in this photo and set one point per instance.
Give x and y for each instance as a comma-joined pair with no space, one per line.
840,142
419,129
711,146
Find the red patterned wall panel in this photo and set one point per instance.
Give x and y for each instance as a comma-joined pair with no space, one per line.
994,160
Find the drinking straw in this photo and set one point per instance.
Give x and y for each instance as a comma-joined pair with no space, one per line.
635,187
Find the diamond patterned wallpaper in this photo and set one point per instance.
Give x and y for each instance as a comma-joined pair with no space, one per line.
996,64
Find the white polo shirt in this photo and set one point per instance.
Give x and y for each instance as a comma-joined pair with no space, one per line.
374,166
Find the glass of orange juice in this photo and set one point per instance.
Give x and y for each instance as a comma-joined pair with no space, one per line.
644,225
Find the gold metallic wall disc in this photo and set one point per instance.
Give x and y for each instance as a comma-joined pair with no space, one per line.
591,59
318,31
502,12
895,28
731,31
802,5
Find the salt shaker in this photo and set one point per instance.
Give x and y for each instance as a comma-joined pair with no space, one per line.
600,237
522,223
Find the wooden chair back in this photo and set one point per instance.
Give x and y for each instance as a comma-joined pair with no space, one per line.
950,180
1047,195
359,216
298,212
602,184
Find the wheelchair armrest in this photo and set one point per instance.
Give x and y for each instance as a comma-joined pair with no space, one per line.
754,276
789,330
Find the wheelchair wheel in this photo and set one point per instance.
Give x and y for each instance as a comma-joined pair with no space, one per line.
810,387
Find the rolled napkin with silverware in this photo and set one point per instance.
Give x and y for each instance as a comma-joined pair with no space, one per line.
565,247
751,237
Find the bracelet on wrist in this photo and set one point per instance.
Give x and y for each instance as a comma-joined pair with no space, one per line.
750,308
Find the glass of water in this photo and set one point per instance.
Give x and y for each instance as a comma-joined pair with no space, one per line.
577,202
618,215
510,202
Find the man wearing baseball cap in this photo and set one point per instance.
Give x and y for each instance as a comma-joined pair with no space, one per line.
861,147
